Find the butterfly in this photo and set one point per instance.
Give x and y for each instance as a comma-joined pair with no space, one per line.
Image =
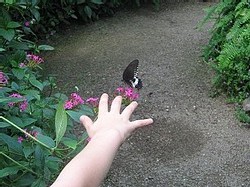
130,75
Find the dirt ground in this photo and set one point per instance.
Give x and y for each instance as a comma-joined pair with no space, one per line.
195,140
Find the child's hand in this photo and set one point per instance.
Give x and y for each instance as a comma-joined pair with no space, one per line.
113,122
106,133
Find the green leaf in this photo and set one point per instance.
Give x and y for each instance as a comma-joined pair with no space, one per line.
45,48
18,56
75,115
25,180
5,14
73,16
27,150
88,11
4,124
28,30
36,83
2,49
46,140
4,90
13,25
48,113
98,2
61,96
31,94
19,45
7,34
6,100
35,2
12,143
53,163
9,171
28,121
39,183
10,1
16,120
60,122
18,73
39,157
35,13
71,143
86,110
14,86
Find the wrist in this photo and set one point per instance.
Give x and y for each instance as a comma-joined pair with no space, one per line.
109,135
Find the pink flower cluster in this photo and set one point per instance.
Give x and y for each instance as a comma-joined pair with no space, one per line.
33,133
26,23
20,139
21,65
93,101
74,101
33,60
29,23
127,93
3,79
22,105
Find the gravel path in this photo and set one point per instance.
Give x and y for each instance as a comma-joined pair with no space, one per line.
195,140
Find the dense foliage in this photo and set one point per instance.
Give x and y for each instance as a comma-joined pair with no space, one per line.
46,15
36,124
228,50
35,127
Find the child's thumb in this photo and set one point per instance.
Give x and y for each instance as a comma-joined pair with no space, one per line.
86,121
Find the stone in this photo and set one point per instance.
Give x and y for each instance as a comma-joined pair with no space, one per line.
246,104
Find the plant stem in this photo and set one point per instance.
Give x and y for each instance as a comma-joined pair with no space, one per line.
29,135
17,163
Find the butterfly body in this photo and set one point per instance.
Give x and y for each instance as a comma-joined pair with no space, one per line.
136,83
130,75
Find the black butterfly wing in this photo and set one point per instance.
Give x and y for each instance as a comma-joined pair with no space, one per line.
131,71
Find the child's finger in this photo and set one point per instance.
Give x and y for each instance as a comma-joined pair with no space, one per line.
140,123
103,104
127,112
86,121
116,105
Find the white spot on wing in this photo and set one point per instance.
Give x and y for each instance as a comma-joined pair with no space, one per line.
135,82
136,72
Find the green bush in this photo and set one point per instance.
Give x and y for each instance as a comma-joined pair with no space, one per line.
36,125
44,17
36,129
228,50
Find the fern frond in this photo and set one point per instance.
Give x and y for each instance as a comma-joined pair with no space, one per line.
209,13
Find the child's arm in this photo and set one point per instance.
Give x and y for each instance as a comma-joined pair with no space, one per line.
111,129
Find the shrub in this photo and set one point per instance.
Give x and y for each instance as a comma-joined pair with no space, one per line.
36,125
228,50
44,17
36,131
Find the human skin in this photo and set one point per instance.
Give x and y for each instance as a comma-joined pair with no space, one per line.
107,133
